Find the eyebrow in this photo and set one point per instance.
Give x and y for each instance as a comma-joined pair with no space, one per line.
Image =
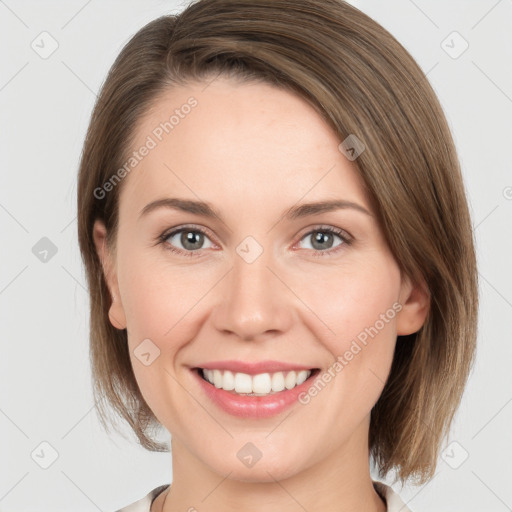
207,210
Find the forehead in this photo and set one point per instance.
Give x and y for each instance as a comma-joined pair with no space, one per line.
248,143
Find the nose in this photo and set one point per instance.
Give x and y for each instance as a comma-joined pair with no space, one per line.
253,302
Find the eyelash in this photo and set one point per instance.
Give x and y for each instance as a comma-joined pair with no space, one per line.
346,240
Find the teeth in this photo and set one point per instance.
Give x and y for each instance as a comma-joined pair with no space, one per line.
243,383
261,384
278,381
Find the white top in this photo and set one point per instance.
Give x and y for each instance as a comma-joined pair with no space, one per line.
393,501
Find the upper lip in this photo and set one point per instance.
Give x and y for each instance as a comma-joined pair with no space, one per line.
254,367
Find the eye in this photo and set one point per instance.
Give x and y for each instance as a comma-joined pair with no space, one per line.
186,240
323,240
190,241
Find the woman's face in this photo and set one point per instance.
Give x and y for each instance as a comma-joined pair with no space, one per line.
264,279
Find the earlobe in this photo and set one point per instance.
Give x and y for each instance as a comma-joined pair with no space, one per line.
415,300
116,312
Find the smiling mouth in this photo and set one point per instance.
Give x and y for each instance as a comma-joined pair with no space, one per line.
262,384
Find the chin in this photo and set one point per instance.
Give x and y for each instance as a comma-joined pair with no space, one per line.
276,465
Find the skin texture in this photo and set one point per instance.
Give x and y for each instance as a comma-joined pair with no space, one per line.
253,151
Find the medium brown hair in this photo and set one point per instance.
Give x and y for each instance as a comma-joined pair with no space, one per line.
362,81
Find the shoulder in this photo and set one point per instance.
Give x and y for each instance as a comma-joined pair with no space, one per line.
393,501
144,504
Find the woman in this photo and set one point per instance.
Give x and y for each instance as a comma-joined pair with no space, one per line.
229,144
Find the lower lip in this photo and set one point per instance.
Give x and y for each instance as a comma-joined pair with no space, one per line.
253,406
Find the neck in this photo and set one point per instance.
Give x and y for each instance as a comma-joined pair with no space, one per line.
339,482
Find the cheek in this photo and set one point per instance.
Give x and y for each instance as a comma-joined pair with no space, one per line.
360,309
353,297
157,297
161,305
158,303
358,304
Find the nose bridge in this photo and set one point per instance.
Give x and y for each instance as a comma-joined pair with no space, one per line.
251,278
253,300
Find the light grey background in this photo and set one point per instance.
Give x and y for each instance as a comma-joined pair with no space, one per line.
44,368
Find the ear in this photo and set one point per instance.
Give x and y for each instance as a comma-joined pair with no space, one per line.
116,313
415,300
